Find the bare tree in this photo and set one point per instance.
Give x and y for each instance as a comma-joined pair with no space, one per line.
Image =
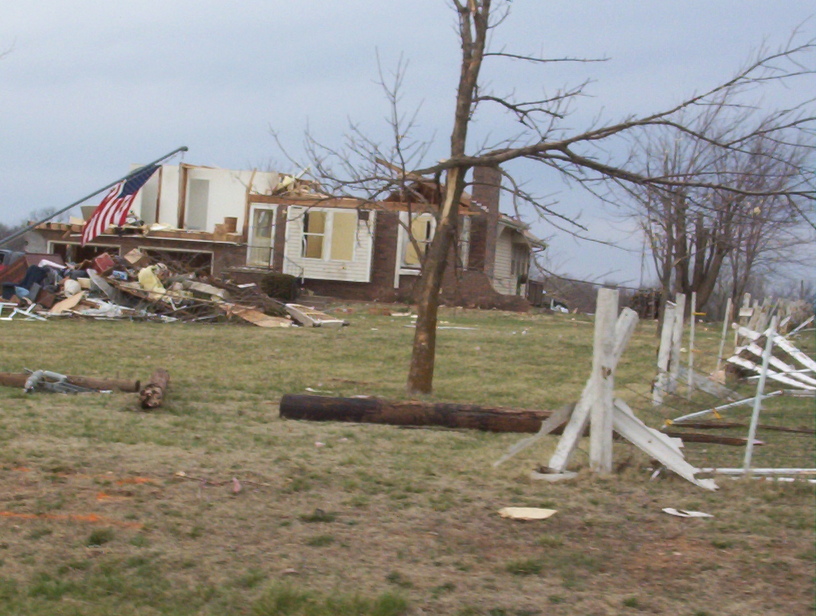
747,215
542,136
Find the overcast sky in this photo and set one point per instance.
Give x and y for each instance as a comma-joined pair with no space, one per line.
89,87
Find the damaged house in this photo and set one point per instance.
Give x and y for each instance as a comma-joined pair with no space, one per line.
244,225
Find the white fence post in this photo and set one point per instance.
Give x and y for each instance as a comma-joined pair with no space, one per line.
766,358
692,319
661,383
600,435
726,321
677,341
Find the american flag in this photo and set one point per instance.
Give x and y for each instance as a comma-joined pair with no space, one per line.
114,208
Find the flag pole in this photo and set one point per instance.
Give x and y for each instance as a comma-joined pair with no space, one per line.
13,236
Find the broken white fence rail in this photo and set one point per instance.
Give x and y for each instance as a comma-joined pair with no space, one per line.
769,474
663,448
760,471
766,357
722,407
801,326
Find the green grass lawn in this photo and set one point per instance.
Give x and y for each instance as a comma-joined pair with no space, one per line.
109,510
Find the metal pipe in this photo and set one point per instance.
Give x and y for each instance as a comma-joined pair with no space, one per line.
13,236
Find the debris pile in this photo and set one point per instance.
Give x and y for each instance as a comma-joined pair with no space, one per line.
135,287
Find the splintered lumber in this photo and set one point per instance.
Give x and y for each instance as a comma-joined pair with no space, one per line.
411,413
256,317
153,393
310,317
14,379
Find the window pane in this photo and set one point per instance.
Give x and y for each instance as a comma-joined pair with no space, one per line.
422,231
344,233
313,246
314,222
314,225
260,240
262,224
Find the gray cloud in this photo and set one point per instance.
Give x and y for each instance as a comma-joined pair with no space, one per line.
91,87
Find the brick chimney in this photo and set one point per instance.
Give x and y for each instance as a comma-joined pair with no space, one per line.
486,191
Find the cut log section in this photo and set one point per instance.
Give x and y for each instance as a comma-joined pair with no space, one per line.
152,395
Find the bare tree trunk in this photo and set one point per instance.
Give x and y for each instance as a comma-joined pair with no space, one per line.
473,28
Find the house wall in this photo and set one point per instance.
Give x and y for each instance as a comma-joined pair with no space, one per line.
503,280
226,192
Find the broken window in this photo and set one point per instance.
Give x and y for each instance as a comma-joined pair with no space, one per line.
422,230
261,237
314,233
329,235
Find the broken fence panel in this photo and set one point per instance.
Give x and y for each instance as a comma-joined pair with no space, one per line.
624,328
772,374
783,367
783,344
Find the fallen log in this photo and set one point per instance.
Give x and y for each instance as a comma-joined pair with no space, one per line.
714,439
152,395
411,413
14,379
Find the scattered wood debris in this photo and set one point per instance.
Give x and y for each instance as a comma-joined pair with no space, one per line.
134,287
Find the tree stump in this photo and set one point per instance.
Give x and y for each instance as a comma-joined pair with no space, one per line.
152,395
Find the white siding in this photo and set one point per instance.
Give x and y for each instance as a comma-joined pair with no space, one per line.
503,281
356,270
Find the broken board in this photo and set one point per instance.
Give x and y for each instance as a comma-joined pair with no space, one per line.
310,317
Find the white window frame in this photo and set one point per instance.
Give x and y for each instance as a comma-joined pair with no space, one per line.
327,235
404,241
255,207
